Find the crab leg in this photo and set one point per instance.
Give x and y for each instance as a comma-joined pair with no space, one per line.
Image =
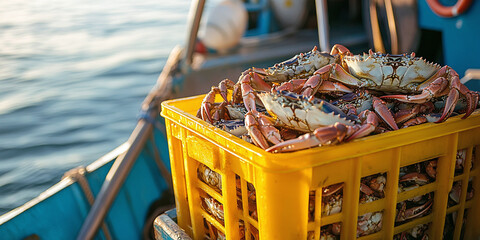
415,121
253,127
209,100
313,83
431,169
294,85
366,189
407,114
456,88
223,87
248,94
253,78
382,110
329,86
371,123
436,86
207,103
435,89
340,49
321,136
267,128
297,85
331,71
261,129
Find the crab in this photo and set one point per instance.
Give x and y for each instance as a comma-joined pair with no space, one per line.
332,198
418,232
404,74
405,78
210,177
211,112
300,66
323,122
372,188
369,223
414,208
401,74
380,72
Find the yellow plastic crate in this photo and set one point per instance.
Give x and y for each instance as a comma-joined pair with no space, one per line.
284,182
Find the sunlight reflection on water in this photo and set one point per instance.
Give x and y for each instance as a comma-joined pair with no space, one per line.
72,75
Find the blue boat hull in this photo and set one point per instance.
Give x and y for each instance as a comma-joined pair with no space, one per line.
59,212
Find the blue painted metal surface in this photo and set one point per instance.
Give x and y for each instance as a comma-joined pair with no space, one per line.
261,15
460,36
60,212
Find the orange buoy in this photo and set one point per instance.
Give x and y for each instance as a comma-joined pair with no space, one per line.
450,11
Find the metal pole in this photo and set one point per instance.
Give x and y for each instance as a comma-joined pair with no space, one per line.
322,22
376,33
392,27
115,178
195,15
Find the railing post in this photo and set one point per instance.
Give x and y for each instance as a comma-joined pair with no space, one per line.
322,22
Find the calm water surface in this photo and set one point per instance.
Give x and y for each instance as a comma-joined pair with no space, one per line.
73,74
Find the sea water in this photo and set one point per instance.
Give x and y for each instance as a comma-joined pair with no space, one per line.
73,74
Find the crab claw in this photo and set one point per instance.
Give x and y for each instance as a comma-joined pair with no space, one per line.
404,115
382,110
248,95
253,127
311,86
294,85
472,101
321,136
415,121
207,103
220,113
434,89
369,125
452,99
258,82
329,86
456,89
271,133
340,49
261,129
445,77
223,87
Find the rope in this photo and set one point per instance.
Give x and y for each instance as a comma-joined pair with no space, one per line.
78,176
144,115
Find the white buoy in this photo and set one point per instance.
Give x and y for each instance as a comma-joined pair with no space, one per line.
225,25
291,14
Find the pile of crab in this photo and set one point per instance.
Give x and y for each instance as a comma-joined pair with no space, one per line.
318,98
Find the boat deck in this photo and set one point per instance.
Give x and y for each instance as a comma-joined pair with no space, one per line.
281,44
